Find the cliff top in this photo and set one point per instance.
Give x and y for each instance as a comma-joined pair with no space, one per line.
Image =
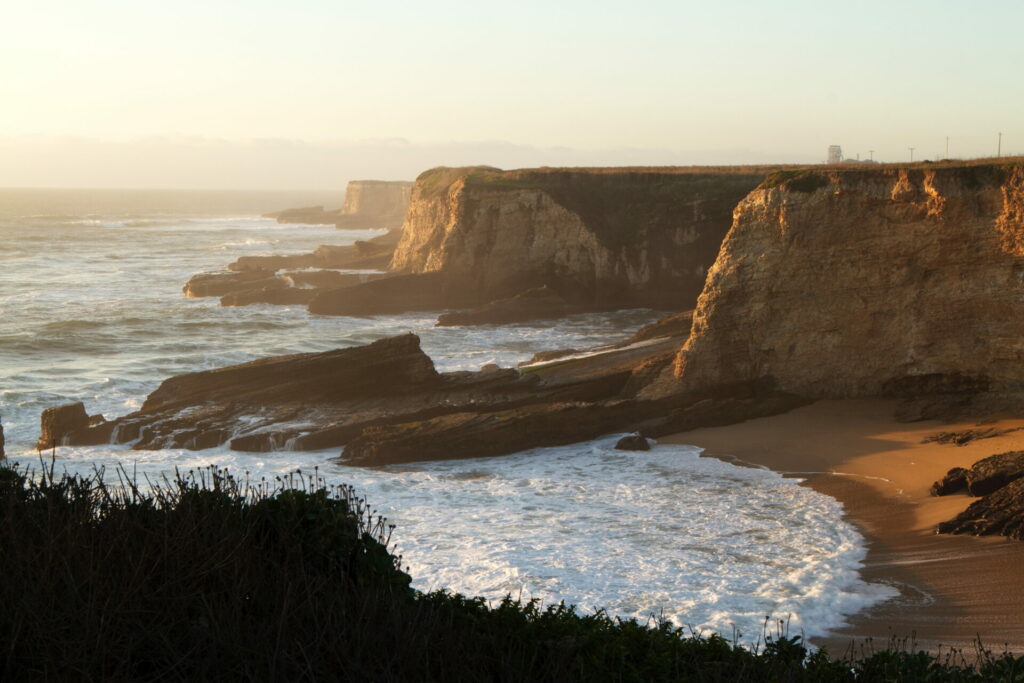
438,179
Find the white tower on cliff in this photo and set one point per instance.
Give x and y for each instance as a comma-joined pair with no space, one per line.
835,154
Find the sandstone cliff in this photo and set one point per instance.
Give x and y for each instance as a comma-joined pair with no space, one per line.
892,281
600,237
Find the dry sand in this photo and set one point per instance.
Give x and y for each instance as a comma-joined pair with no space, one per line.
953,589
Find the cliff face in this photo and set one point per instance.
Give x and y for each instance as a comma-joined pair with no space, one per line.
377,199
604,237
865,282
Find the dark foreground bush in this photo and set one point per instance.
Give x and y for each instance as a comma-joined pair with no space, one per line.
205,577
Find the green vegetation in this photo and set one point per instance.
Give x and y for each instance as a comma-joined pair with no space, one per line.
797,180
208,577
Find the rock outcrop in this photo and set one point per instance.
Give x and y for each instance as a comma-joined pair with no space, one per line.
69,424
600,238
998,514
885,281
321,400
219,284
368,204
256,280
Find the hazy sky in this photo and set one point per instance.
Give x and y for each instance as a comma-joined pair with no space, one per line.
309,93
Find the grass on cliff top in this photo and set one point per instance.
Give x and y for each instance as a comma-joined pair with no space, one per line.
209,577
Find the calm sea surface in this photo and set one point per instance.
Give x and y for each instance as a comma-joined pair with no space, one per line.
91,309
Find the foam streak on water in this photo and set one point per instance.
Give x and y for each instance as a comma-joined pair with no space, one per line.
91,309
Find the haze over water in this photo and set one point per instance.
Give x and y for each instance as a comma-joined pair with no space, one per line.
92,310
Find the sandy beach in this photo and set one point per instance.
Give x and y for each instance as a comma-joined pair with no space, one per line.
953,589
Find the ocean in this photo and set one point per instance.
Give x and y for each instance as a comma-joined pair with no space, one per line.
91,309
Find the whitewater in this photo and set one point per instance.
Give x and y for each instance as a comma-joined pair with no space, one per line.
91,310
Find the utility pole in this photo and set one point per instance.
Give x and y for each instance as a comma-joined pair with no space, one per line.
999,148
871,154
911,153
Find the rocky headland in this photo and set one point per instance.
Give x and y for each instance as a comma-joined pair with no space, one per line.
599,239
368,204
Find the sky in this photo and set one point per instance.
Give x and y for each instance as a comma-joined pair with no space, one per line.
306,94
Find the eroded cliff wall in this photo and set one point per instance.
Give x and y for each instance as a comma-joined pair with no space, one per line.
868,282
602,237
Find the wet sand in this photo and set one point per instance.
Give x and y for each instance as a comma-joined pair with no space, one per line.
953,589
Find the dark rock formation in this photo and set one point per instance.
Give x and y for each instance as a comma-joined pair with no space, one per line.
69,424
633,442
954,482
1000,513
475,434
219,284
2,454
321,400
995,472
539,303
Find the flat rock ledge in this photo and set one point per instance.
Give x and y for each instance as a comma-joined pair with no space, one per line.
385,403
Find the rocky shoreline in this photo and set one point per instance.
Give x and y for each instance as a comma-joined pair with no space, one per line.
899,281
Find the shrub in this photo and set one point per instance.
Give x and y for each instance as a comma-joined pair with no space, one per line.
209,577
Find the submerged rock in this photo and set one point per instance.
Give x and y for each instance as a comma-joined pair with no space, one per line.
282,296
219,284
633,442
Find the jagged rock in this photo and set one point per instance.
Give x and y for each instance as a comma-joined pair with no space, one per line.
323,400
281,296
632,442
964,437
1000,513
219,284
60,422
995,472
538,303
2,454
954,482
863,282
